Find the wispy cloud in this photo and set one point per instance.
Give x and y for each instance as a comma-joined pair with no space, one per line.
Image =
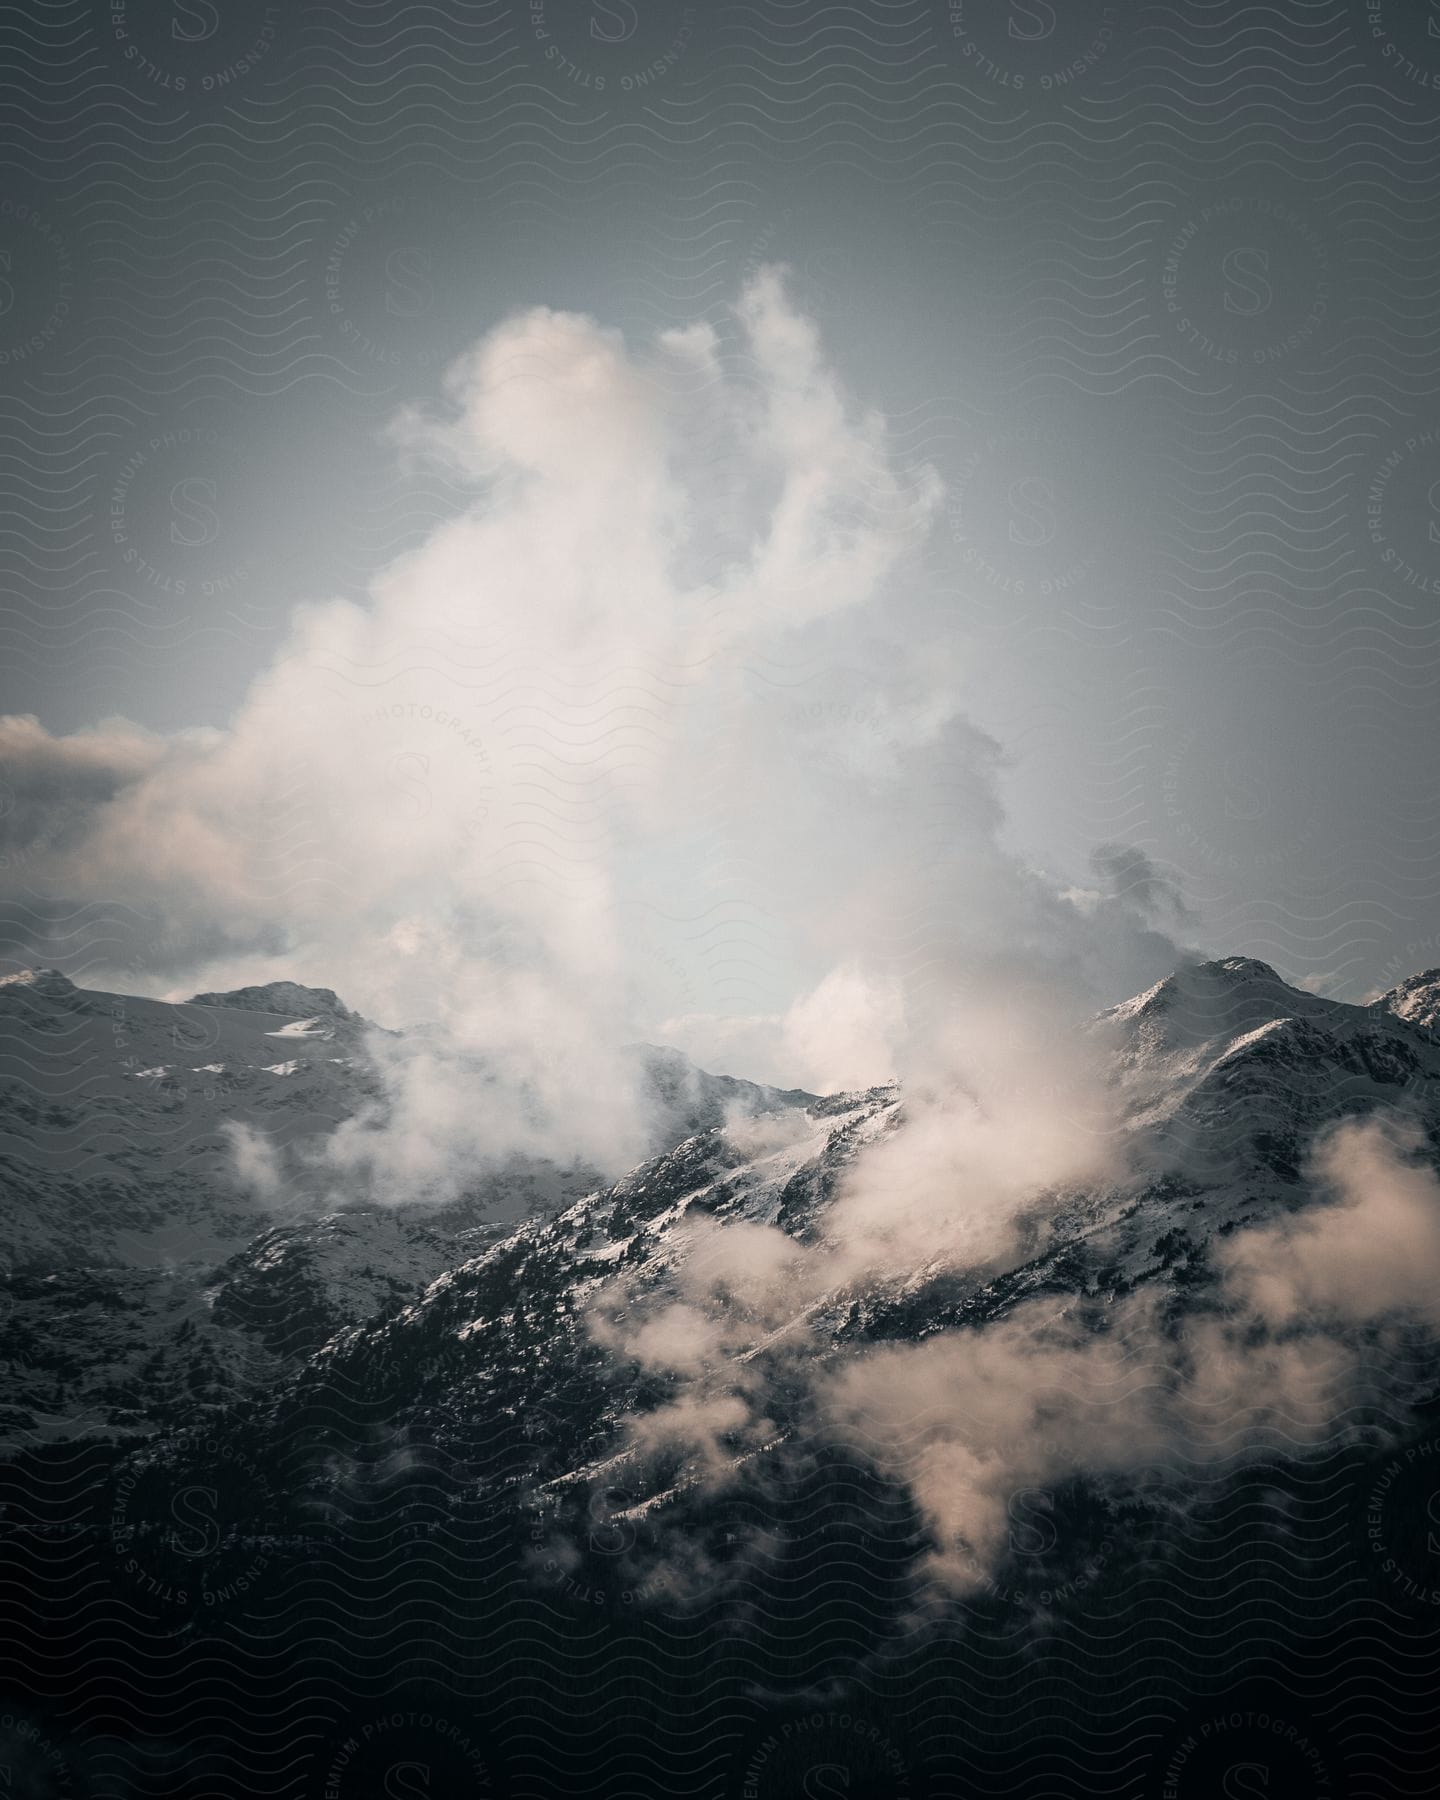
656,728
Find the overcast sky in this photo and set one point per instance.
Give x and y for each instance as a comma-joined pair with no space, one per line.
1145,553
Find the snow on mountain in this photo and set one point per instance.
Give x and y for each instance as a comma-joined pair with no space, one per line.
304,1028
542,1348
1416,1000
113,1110
39,981
475,1330
142,1272
117,1117
1229,1074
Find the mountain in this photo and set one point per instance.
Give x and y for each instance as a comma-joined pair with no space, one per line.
1225,1078
118,1112
146,1277
1231,1074
590,1468
131,1227
113,1113
1416,1000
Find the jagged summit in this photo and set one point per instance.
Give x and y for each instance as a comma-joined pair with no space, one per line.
1227,974
40,981
1416,999
1200,1001
684,1098
1224,1079
1244,968
669,1069
287,998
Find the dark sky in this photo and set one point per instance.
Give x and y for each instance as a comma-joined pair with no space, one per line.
1152,286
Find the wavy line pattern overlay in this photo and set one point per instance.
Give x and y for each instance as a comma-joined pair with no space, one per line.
660,1466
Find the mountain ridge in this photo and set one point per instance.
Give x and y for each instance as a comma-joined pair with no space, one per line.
1225,1078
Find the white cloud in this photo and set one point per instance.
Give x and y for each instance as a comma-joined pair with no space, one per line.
255,1159
654,714
1373,1251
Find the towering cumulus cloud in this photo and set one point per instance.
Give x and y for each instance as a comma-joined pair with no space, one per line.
658,736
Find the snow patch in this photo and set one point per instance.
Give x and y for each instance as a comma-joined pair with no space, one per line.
611,1252
303,1028
1268,1029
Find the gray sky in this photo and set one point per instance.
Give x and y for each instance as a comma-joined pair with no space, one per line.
1149,289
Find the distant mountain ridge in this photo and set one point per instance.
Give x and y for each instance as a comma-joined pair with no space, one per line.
1225,1076
142,1275
113,1109
287,998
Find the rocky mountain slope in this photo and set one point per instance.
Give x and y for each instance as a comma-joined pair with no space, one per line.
579,1483
599,1348
115,1111
146,1281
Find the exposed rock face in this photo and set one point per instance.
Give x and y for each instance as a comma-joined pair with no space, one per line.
1225,1079
115,1109
1416,1000
287,998
358,1440
148,1274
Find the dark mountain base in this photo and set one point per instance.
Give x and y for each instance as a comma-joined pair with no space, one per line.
1283,1638
374,1507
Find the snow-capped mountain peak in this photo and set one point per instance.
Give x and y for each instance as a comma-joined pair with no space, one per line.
1416,1000
40,981
1225,1077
